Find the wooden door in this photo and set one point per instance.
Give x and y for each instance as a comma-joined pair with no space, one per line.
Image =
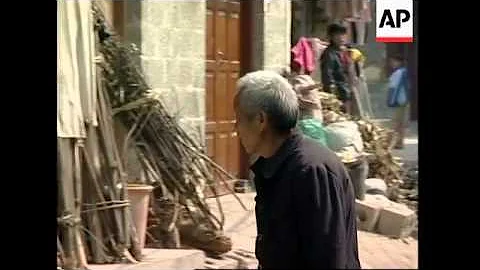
222,71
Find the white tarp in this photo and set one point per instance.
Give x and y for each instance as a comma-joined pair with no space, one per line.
76,78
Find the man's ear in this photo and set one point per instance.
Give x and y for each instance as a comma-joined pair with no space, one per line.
263,120
262,117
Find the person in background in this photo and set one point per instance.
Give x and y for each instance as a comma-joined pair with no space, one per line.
398,94
311,125
311,118
336,66
305,204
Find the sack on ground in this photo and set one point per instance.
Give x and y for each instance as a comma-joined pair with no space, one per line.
341,135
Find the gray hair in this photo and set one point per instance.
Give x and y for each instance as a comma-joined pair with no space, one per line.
269,92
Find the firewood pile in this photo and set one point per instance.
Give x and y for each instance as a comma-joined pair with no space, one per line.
170,158
401,180
377,142
407,191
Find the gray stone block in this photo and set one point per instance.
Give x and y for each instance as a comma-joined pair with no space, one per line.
149,41
375,185
154,12
157,43
171,103
368,213
198,74
179,72
161,259
182,43
194,127
221,263
192,103
192,14
155,72
369,210
396,220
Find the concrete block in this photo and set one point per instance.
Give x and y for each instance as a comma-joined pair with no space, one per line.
154,12
191,15
375,186
194,127
161,259
191,102
368,211
182,43
221,263
245,259
155,72
368,214
396,220
198,74
179,72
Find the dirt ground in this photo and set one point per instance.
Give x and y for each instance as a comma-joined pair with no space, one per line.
376,251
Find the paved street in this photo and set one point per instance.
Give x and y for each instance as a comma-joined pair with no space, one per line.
376,251
410,152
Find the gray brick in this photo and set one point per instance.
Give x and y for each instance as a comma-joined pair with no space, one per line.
194,127
148,40
192,103
179,72
155,72
396,220
154,12
156,43
368,212
192,15
198,73
169,99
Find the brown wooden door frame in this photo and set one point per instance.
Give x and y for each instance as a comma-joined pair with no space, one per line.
228,57
247,26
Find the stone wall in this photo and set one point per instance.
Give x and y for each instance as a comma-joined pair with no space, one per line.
171,38
277,24
271,35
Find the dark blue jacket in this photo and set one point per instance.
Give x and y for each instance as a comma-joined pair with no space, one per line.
334,72
305,209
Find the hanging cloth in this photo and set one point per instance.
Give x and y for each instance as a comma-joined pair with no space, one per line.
303,55
76,89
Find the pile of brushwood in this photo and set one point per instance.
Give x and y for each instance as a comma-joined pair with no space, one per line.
170,158
378,143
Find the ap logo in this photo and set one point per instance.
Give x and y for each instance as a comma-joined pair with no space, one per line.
394,22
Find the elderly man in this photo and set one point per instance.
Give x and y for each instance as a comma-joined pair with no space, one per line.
305,201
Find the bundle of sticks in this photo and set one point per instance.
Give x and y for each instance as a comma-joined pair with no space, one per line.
172,161
94,221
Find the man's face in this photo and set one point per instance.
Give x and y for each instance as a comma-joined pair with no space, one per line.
339,39
249,130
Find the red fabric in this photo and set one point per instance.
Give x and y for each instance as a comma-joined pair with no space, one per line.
303,55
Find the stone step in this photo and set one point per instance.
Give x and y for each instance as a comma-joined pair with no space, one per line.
235,259
396,220
161,259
